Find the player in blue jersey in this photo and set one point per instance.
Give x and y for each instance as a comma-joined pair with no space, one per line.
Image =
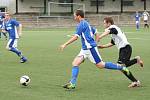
137,19
14,29
2,25
89,50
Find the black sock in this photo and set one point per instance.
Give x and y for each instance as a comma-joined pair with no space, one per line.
130,76
144,25
147,25
131,62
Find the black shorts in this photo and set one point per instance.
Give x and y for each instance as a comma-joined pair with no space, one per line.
124,54
145,21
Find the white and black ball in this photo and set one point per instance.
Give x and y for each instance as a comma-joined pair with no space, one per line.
24,80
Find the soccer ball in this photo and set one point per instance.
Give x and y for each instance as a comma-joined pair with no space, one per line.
24,80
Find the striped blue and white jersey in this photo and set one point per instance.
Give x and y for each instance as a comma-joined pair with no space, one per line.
11,27
137,16
85,31
94,30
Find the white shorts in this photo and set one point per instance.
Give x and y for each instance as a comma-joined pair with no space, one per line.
92,54
12,43
137,22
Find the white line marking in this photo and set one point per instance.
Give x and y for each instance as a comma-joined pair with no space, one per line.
139,39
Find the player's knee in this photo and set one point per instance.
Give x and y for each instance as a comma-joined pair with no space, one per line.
77,61
74,63
100,65
7,48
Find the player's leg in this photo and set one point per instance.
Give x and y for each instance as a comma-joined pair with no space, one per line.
110,65
75,71
144,23
12,46
136,60
0,31
137,25
147,24
135,82
96,58
23,59
124,58
4,33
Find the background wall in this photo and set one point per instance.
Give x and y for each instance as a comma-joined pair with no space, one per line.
36,6
9,4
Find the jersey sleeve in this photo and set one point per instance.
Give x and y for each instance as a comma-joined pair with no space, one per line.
113,31
16,23
78,30
94,30
112,41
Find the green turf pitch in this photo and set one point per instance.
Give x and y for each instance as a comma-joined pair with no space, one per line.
49,69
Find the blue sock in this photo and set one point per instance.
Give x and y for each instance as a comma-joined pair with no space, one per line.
110,65
16,51
137,26
75,71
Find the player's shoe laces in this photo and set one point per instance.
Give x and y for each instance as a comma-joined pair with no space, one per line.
69,86
139,61
135,84
23,59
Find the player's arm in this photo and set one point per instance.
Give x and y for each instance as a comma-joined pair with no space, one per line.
72,39
3,29
106,45
96,37
103,34
18,25
19,29
147,14
95,32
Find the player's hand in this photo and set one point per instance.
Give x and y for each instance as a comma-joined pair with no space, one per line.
62,47
4,31
97,39
20,34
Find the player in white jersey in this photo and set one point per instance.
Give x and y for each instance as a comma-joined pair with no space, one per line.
119,39
89,50
145,18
